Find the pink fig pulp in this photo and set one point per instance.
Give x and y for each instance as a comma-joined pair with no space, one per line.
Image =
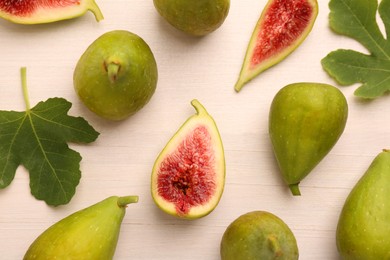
46,11
281,28
189,174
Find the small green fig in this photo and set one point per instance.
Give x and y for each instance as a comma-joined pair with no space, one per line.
91,233
258,235
117,75
363,230
197,18
305,122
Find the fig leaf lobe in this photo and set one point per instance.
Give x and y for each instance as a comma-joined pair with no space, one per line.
360,20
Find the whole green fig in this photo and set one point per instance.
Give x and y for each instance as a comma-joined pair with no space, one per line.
258,235
305,122
363,230
91,233
196,18
117,75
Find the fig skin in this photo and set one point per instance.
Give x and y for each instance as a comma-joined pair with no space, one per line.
196,203
197,18
117,75
363,228
91,233
305,122
258,235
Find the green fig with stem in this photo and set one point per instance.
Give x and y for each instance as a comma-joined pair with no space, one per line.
305,122
116,76
258,235
91,233
363,230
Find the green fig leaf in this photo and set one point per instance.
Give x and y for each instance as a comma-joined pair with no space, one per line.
357,19
37,139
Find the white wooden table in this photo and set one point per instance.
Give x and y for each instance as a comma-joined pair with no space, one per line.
120,161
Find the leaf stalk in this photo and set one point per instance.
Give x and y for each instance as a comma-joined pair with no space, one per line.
23,75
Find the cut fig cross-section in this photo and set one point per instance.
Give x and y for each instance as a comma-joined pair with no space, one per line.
46,11
188,176
281,28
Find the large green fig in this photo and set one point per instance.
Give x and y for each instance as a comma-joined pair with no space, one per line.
258,235
196,18
305,122
117,75
363,231
91,233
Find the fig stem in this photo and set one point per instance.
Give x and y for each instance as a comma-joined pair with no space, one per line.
113,71
96,11
198,107
295,189
274,245
23,74
125,200
240,83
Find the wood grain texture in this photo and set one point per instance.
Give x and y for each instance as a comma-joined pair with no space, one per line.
120,161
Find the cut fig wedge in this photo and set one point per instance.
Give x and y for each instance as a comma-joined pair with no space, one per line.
46,11
282,27
188,176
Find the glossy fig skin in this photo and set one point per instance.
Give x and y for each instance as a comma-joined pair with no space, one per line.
363,228
258,235
305,122
91,233
117,75
197,18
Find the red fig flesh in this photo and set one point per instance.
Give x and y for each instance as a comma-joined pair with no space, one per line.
46,11
189,174
282,27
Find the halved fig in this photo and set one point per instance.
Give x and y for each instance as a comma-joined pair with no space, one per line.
281,28
46,11
188,176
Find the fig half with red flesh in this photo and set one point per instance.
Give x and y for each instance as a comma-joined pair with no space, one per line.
188,176
281,28
46,11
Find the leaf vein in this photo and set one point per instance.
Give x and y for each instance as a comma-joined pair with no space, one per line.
366,31
57,123
43,151
9,152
